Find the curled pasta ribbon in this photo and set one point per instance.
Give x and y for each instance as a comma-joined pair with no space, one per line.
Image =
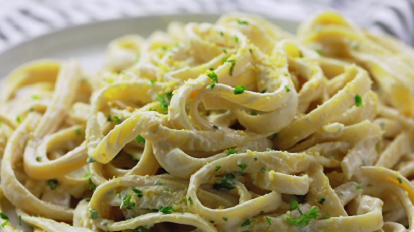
392,182
148,219
369,50
37,71
123,52
13,189
277,177
327,112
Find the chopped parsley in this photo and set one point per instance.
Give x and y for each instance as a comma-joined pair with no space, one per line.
78,132
215,127
255,158
152,81
269,221
321,201
5,217
253,113
224,60
109,119
293,204
126,201
90,159
104,223
226,182
225,51
242,21
306,218
239,89
166,209
53,183
354,46
399,180
319,52
263,169
86,175
35,97
270,149
302,199
358,100
246,223
212,222
273,136
38,158
236,39
242,166
190,200
20,220
213,76
140,139
327,217
164,104
262,212
263,91
164,48
94,214
158,183
169,95
18,119
221,33
233,63
250,50
300,53
116,119
138,192
358,187
225,218
231,151
287,88
218,168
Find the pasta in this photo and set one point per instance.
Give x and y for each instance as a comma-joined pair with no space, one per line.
232,126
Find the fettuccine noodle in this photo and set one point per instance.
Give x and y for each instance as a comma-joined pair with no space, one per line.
232,126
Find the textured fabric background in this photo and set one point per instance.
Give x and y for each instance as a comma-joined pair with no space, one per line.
24,19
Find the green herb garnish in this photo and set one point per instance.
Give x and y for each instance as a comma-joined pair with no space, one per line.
239,89
140,139
166,210
231,151
213,76
94,214
53,183
358,100
306,218
226,182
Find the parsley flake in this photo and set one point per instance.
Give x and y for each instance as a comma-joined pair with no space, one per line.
226,182
358,100
263,169
38,158
239,89
273,136
242,22
164,104
166,210
152,82
306,218
327,217
78,132
231,151
253,113
116,119
268,220
90,159
190,200
225,218
94,214
215,127
140,139
233,63
319,52
213,76
242,166
137,192
321,201
236,39
5,217
399,180
246,223
287,88
20,220
218,168
358,187
53,183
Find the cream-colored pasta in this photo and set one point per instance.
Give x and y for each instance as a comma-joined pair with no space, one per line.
232,126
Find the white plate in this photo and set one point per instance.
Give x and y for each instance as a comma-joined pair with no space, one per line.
87,44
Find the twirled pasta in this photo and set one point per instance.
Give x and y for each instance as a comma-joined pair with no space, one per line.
232,126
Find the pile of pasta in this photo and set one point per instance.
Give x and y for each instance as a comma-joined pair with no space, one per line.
232,126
